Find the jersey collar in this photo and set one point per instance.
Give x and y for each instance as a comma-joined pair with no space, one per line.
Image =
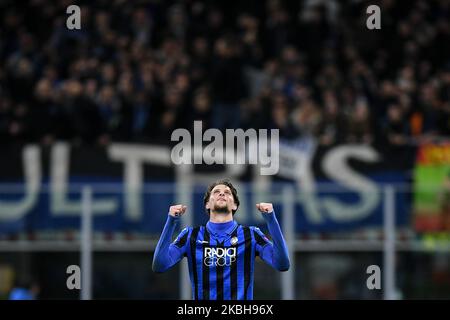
227,232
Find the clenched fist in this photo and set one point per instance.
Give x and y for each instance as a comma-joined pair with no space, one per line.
264,207
177,210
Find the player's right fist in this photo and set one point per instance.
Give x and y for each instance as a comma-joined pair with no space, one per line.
177,210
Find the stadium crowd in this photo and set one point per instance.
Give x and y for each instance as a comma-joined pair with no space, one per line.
137,70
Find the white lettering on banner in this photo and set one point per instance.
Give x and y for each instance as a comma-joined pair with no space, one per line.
296,163
9,211
134,157
296,158
61,205
335,166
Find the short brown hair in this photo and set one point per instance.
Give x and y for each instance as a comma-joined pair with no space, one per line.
227,183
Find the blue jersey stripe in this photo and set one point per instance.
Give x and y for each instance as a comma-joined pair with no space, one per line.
193,269
191,262
205,272
240,264
233,270
226,283
247,261
212,275
227,272
252,266
219,275
199,262
227,269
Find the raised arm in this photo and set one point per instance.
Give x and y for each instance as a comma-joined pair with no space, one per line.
275,254
167,254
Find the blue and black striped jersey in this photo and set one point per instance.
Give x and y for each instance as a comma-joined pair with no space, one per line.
221,264
221,269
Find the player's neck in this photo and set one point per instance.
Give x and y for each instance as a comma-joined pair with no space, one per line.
220,217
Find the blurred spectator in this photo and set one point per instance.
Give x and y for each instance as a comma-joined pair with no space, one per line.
24,289
396,128
306,118
333,126
359,126
201,103
227,84
137,71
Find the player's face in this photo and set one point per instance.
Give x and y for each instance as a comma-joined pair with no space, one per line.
221,199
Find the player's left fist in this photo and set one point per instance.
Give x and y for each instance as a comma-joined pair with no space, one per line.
264,207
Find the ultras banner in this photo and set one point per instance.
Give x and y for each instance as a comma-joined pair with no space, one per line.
334,189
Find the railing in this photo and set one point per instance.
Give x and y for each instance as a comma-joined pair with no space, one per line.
354,232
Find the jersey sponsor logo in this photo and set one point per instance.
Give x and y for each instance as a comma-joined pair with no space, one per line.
218,257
